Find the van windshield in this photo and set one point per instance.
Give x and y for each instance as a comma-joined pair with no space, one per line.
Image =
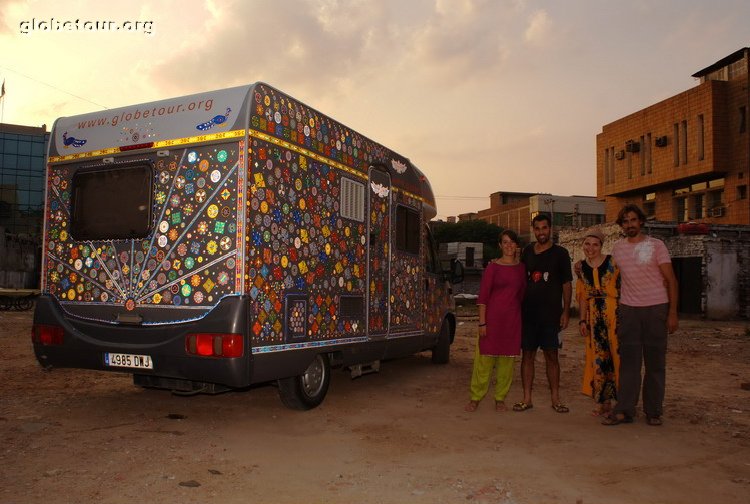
111,203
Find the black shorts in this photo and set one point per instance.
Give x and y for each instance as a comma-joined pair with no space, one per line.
540,335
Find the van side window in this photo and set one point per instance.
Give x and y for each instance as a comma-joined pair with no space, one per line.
352,203
407,230
432,262
111,203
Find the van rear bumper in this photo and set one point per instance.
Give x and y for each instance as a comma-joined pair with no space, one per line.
85,343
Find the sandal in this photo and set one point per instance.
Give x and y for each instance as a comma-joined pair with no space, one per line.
617,419
472,406
522,406
560,408
654,420
500,406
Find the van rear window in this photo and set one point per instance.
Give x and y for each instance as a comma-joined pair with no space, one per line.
111,203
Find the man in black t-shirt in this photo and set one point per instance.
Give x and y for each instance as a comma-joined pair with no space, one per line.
545,309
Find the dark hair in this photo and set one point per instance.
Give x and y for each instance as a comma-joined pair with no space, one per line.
631,207
510,234
541,217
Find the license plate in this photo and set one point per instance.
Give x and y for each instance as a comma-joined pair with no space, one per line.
128,360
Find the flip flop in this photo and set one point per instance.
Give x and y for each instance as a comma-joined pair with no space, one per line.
617,419
500,406
522,406
560,408
654,420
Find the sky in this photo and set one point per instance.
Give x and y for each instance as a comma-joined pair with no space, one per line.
481,95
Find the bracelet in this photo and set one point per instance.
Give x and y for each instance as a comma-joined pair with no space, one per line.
482,325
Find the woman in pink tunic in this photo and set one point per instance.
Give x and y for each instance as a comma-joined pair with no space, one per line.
499,343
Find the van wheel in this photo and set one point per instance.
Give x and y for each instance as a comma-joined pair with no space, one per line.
306,391
441,352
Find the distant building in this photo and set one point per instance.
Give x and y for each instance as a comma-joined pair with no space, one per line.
685,158
514,210
471,256
22,151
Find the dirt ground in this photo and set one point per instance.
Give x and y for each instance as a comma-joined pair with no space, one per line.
401,435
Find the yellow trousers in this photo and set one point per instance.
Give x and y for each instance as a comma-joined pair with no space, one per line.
482,373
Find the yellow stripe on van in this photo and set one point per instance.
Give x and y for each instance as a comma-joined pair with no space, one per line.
301,150
157,145
323,159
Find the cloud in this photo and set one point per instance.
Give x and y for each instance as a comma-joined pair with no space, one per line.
538,30
243,42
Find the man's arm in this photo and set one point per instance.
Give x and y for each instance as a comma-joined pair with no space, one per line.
567,294
671,283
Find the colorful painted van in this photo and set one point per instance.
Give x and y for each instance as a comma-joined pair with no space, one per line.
235,237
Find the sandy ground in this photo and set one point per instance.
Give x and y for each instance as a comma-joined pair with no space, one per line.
401,435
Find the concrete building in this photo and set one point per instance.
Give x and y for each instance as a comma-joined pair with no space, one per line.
685,158
514,210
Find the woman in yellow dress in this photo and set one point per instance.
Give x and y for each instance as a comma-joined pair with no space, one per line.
598,292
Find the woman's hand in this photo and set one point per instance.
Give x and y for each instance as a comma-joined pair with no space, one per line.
583,327
482,330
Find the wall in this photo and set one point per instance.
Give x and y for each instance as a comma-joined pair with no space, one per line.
18,262
723,271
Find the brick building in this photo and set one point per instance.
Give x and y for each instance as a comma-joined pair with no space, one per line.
514,210
685,158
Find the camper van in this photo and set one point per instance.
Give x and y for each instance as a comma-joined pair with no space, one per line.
235,237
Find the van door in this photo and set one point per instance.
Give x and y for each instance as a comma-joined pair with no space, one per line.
379,253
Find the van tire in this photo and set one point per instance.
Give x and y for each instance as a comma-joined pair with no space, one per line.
306,391
441,352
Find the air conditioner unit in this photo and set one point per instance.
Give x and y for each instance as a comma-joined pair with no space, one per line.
632,146
661,141
620,154
716,212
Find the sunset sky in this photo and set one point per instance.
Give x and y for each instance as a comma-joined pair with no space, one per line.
481,95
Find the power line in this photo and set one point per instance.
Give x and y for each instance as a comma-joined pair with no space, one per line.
440,196
53,87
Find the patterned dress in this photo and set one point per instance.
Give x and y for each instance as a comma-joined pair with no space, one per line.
600,289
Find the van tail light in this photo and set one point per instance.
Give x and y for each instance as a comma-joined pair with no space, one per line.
47,334
215,345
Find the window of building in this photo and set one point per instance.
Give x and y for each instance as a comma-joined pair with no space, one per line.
649,205
683,143
699,186
741,192
643,158
407,230
680,209
606,166
22,178
743,119
469,257
699,206
587,220
715,199
649,159
676,144
701,146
